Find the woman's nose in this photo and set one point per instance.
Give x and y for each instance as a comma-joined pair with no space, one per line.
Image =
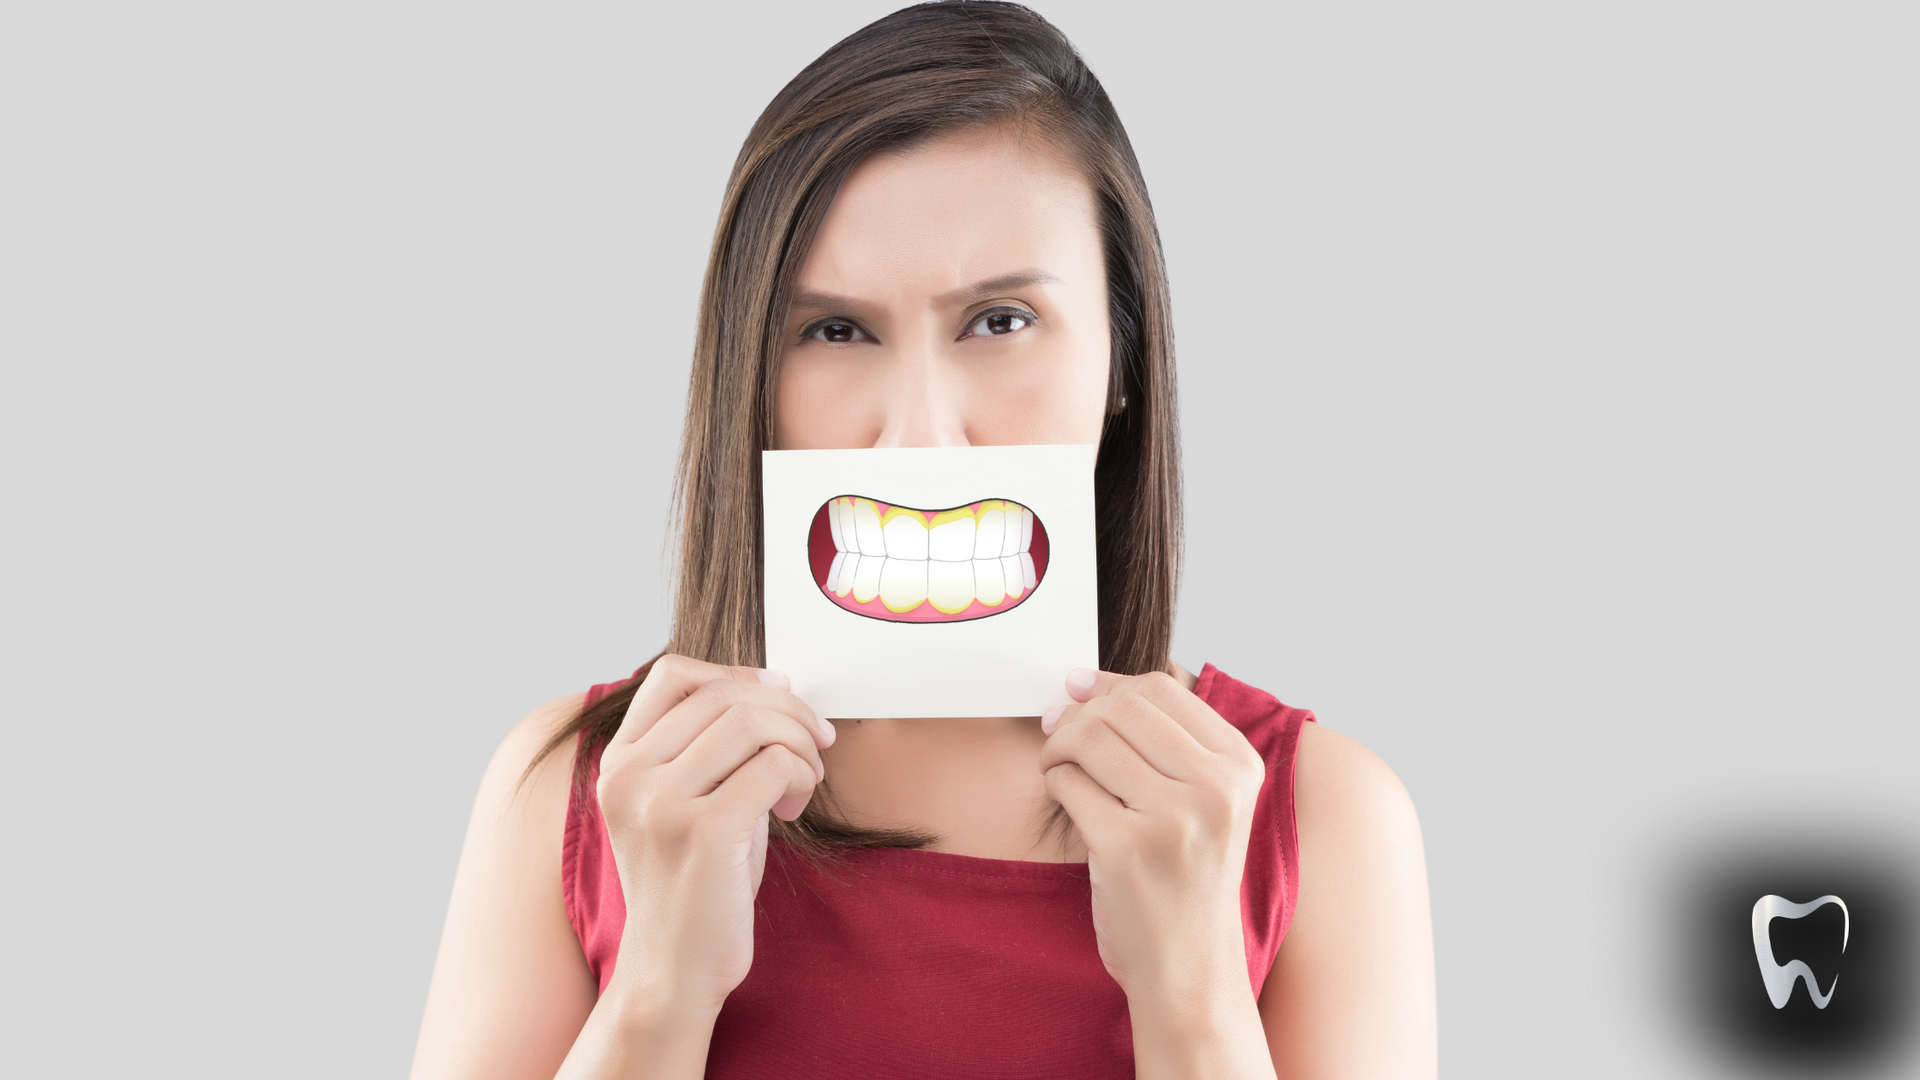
925,402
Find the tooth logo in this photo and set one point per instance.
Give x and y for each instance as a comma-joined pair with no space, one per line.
1780,978
900,564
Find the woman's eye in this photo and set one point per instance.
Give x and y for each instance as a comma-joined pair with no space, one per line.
995,323
836,332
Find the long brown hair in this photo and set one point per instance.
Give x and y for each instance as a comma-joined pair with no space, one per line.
913,76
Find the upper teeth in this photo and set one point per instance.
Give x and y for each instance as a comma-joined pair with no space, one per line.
978,552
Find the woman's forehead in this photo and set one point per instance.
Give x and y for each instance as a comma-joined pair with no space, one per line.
952,212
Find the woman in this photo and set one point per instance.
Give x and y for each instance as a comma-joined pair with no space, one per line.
937,234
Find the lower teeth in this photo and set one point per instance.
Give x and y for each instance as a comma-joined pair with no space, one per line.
903,584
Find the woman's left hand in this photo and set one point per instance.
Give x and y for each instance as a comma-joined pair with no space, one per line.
1162,791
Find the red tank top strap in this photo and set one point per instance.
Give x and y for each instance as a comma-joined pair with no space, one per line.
1270,889
589,880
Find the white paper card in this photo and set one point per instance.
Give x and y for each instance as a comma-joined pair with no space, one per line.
930,581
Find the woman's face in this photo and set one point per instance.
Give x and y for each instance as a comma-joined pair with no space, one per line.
956,295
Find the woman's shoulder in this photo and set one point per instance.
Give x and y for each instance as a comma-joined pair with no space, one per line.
1343,832
1355,820
522,761
1338,782
522,803
1356,968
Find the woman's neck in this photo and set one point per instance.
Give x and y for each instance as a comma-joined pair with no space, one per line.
972,782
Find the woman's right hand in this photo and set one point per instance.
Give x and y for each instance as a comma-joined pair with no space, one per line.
704,754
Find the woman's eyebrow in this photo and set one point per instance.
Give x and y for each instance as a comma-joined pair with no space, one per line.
981,290
818,301
965,296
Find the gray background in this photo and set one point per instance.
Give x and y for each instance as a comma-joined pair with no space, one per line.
1549,370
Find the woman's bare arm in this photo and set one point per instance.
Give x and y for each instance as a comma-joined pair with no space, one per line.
1352,992
511,989
702,757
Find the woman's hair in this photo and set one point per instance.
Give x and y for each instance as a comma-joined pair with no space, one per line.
911,77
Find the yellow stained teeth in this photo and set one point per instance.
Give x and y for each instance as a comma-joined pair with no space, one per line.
950,585
992,533
998,528
906,538
908,559
952,541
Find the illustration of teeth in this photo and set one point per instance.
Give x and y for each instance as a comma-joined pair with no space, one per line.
866,526
906,539
866,577
927,565
952,541
1778,977
840,526
993,527
903,583
990,583
950,584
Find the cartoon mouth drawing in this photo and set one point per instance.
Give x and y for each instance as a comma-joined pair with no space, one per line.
1781,977
902,564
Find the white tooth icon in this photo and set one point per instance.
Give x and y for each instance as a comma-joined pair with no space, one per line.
833,524
1781,977
839,567
1010,543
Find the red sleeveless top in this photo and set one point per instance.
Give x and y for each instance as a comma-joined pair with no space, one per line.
897,962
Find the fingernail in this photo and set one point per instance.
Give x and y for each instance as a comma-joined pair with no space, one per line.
828,731
1080,680
775,678
1051,719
